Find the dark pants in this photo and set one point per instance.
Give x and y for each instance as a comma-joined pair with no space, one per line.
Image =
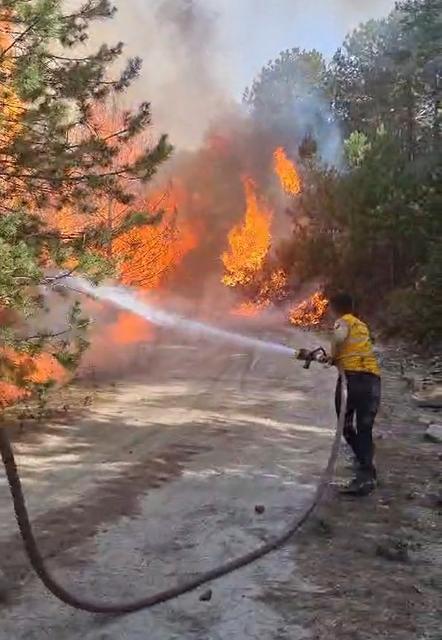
364,395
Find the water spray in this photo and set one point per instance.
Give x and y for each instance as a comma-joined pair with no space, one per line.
127,299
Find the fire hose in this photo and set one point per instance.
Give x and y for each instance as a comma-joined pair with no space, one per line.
120,608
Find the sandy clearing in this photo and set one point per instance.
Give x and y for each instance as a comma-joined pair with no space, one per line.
158,481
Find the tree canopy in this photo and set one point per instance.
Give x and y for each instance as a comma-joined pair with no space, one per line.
376,224
54,155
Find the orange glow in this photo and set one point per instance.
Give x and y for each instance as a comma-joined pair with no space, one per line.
130,329
10,105
274,287
249,309
249,243
286,172
310,312
11,110
46,368
10,394
144,255
150,253
38,369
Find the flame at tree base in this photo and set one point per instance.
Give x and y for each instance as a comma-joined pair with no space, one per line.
39,369
310,312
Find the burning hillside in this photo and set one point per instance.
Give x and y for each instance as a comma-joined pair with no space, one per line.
212,220
216,222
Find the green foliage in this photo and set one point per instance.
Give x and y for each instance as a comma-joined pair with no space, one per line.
58,94
376,227
19,267
293,75
289,92
356,148
54,156
416,312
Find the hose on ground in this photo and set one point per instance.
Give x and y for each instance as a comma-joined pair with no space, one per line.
120,608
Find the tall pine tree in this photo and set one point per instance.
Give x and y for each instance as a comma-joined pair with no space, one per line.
52,156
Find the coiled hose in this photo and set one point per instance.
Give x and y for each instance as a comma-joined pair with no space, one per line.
120,608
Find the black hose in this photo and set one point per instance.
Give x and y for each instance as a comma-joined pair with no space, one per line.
117,608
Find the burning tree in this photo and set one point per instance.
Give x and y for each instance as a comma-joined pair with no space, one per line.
249,243
143,254
147,254
247,261
286,172
54,157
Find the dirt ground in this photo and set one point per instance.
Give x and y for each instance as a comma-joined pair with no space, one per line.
142,481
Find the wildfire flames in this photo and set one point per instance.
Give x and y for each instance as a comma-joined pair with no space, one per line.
249,243
9,103
310,312
10,394
250,309
146,256
38,369
249,248
149,253
129,329
286,172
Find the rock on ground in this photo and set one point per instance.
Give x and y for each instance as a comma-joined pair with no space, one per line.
434,433
431,397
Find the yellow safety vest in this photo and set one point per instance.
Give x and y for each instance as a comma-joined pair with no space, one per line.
356,352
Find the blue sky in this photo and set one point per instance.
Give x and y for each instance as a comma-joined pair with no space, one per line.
253,31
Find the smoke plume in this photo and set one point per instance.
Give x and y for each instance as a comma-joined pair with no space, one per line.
199,55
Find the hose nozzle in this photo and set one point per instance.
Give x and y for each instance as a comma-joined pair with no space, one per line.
317,355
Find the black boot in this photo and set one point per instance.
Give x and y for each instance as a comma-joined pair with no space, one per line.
363,484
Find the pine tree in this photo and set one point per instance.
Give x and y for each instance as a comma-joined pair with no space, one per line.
52,156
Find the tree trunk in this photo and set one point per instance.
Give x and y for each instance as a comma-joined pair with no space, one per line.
410,119
109,227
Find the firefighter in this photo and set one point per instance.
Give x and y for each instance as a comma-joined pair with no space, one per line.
352,352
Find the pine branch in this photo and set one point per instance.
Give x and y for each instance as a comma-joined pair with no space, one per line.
19,38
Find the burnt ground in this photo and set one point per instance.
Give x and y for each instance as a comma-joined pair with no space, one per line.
138,482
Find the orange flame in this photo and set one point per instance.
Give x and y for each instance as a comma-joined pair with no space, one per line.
11,110
150,253
38,369
249,243
130,329
250,309
286,172
10,394
145,255
274,287
11,107
46,368
310,312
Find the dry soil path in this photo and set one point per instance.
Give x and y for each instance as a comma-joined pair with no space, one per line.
156,481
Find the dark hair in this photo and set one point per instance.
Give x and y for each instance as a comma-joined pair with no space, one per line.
342,303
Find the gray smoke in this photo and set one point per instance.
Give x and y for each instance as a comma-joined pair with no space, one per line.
183,74
199,55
